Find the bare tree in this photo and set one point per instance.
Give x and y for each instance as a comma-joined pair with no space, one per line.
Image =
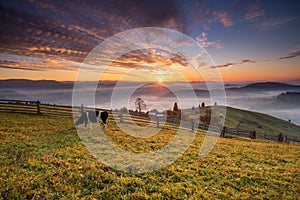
140,104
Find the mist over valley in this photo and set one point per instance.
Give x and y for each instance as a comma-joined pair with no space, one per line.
277,99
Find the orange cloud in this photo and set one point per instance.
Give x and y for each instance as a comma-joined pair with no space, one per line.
149,59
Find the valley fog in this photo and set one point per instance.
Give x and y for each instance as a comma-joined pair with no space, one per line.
158,96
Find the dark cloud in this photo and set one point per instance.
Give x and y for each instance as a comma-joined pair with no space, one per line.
156,13
207,12
30,29
292,54
224,65
35,63
13,65
247,61
71,29
16,65
234,63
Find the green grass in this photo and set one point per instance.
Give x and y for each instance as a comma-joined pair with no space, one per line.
43,157
247,120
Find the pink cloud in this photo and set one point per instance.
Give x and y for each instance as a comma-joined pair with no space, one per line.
202,39
253,12
225,19
274,23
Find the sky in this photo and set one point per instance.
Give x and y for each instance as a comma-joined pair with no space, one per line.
246,40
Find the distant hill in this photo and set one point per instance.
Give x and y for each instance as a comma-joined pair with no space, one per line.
287,99
148,88
25,83
51,84
261,123
267,86
254,87
153,89
254,121
187,93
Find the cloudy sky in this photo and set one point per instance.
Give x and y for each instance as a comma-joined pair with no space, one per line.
247,40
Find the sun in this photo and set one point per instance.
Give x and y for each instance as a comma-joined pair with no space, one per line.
160,75
160,79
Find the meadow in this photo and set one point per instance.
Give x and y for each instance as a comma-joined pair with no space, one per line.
42,157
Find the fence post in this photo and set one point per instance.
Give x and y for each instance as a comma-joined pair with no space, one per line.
38,107
157,122
193,126
253,134
282,138
223,131
121,116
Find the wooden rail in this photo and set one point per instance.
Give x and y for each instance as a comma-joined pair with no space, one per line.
38,108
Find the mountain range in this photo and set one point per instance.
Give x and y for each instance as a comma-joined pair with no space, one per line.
52,83
266,86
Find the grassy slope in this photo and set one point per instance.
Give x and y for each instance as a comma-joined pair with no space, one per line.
43,157
243,119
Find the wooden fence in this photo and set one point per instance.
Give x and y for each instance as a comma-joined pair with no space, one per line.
190,125
38,108
20,106
33,107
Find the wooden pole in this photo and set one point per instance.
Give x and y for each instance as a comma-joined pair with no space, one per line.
223,132
121,116
193,126
38,111
254,135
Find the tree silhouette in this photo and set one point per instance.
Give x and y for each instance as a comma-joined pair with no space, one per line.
140,104
175,108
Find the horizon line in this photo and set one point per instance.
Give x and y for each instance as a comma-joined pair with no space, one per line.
193,81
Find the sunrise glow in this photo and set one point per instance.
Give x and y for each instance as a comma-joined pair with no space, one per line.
249,45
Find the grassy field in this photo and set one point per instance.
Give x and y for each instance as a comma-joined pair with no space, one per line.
42,157
243,119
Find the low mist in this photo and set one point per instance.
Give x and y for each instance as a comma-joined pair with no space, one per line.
276,102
